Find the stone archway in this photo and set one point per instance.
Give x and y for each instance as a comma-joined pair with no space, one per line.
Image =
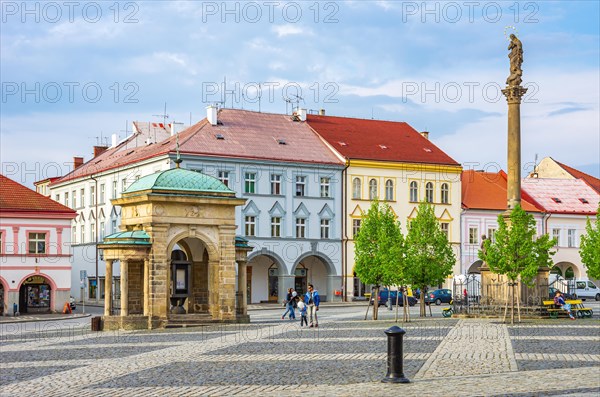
566,270
320,272
474,268
266,277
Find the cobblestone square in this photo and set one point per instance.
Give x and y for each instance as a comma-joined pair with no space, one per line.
346,355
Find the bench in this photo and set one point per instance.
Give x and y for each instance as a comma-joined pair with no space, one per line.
576,307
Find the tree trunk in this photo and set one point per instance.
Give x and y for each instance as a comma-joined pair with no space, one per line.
422,311
375,302
397,303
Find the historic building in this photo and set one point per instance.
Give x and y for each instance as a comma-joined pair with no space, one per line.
35,266
391,162
483,199
290,179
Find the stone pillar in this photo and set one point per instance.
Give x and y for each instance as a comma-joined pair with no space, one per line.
513,97
108,287
242,286
124,288
285,282
145,282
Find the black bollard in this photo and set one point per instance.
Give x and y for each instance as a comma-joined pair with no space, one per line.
395,372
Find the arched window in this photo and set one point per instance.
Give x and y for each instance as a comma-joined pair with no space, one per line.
414,192
356,189
389,190
372,189
429,192
444,194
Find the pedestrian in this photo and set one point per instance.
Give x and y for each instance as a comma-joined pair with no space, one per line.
560,303
289,305
312,300
303,309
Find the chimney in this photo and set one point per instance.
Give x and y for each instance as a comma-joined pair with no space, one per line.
322,112
98,150
114,140
301,114
211,114
77,162
176,127
425,134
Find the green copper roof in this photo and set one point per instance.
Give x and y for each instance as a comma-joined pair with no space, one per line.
137,237
179,179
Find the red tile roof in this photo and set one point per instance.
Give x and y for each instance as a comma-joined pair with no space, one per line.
15,197
487,191
246,134
590,180
566,196
363,139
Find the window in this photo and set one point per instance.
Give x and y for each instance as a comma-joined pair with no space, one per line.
414,192
325,183
275,184
473,235
82,198
324,228
556,236
429,192
74,199
123,185
223,176
114,189
571,238
356,189
445,226
66,199
444,193
300,186
250,182
92,195
275,226
1,235
591,285
82,233
74,235
372,189
250,225
580,285
300,227
113,226
57,198
93,232
491,234
101,230
37,243
389,190
102,193
355,226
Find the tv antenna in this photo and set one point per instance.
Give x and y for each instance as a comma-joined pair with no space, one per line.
295,99
164,116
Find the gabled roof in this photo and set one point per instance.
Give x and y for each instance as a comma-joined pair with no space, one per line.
238,134
15,197
562,196
363,139
487,191
590,180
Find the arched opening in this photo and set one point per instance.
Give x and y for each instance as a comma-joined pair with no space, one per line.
474,268
569,273
318,271
189,277
556,270
263,277
35,295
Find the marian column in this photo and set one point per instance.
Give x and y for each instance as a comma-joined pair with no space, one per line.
514,92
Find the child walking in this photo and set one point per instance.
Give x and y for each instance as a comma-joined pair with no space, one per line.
303,309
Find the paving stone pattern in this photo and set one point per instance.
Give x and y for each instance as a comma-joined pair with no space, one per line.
345,356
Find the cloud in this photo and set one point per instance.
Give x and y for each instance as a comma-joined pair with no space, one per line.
567,110
290,30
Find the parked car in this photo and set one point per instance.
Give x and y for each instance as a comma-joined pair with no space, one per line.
72,303
552,294
438,296
585,289
385,294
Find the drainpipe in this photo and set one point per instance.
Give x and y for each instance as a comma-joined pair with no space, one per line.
460,239
96,237
345,228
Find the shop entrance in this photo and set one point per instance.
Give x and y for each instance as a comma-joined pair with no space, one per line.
35,295
273,283
300,277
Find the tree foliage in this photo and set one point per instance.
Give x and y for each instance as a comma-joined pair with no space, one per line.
590,247
516,252
428,255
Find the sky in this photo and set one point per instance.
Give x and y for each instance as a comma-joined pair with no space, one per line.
74,73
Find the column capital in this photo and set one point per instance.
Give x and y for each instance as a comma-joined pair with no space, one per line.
514,94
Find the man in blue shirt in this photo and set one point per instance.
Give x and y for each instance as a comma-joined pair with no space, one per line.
312,300
560,302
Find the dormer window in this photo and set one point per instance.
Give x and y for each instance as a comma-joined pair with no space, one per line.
584,201
556,200
281,142
219,136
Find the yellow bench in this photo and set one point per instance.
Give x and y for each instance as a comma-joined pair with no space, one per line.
576,307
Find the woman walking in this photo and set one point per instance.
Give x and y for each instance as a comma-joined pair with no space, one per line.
291,295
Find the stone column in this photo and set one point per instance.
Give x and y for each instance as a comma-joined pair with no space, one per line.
513,97
145,282
242,286
124,288
108,288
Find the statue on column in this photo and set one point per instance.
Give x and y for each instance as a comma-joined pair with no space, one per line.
516,60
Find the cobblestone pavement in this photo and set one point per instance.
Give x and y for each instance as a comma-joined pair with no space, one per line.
344,356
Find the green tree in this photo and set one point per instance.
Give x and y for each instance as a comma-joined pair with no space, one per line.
377,249
590,247
516,252
429,257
